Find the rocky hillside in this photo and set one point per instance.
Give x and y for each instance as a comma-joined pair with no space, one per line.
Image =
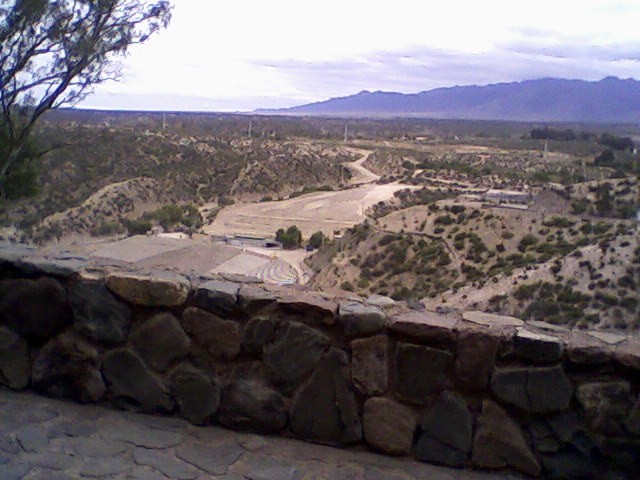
104,212
567,270
101,175
288,167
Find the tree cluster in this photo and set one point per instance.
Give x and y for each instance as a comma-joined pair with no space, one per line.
547,133
52,53
316,240
615,142
290,238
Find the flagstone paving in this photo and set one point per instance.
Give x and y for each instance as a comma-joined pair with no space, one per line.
46,439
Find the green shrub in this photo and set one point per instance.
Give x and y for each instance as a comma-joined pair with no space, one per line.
137,227
107,228
387,239
579,206
444,220
527,241
291,238
346,286
316,240
629,303
558,222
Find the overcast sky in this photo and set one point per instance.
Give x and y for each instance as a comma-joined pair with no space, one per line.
239,55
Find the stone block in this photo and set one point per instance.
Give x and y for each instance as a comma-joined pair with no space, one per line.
370,364
628,355
536,347
360,320
60,266
98,314
15,364
324,409
217,296
252,298
427,326
549,389
252,405
380,301
293,353
388,425
35,309
132,385
447,432
161,341
584,350
220,337
537,390
632,422
313,306
499,442
421,371
68,367
477,350
257,333
491,319
606,404
157,290
195,393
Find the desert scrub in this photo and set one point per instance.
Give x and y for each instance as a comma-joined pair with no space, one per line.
554,303
527,241
444,220
558,222
346,286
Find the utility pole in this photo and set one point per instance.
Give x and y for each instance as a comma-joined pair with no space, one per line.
164,121
250,128
546,149
346,132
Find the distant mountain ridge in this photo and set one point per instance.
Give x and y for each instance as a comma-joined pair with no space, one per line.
549,99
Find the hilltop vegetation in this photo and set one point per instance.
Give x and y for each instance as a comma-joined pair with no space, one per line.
135,170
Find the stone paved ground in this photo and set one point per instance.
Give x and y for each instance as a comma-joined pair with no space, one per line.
45,439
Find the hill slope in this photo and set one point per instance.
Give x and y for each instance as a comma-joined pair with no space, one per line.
549,99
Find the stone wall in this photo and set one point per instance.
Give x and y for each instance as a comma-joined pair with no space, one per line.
468,390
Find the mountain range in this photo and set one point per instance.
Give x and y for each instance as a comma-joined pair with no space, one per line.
610,100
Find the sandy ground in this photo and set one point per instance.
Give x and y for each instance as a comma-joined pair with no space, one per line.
139,247
202,256
326,211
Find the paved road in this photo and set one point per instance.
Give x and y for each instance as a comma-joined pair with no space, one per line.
44,439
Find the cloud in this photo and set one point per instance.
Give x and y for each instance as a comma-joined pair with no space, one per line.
246,55
423,68
101,100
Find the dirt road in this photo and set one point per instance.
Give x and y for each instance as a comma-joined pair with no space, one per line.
360,174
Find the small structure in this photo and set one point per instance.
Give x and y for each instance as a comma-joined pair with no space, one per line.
506,196
251,241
